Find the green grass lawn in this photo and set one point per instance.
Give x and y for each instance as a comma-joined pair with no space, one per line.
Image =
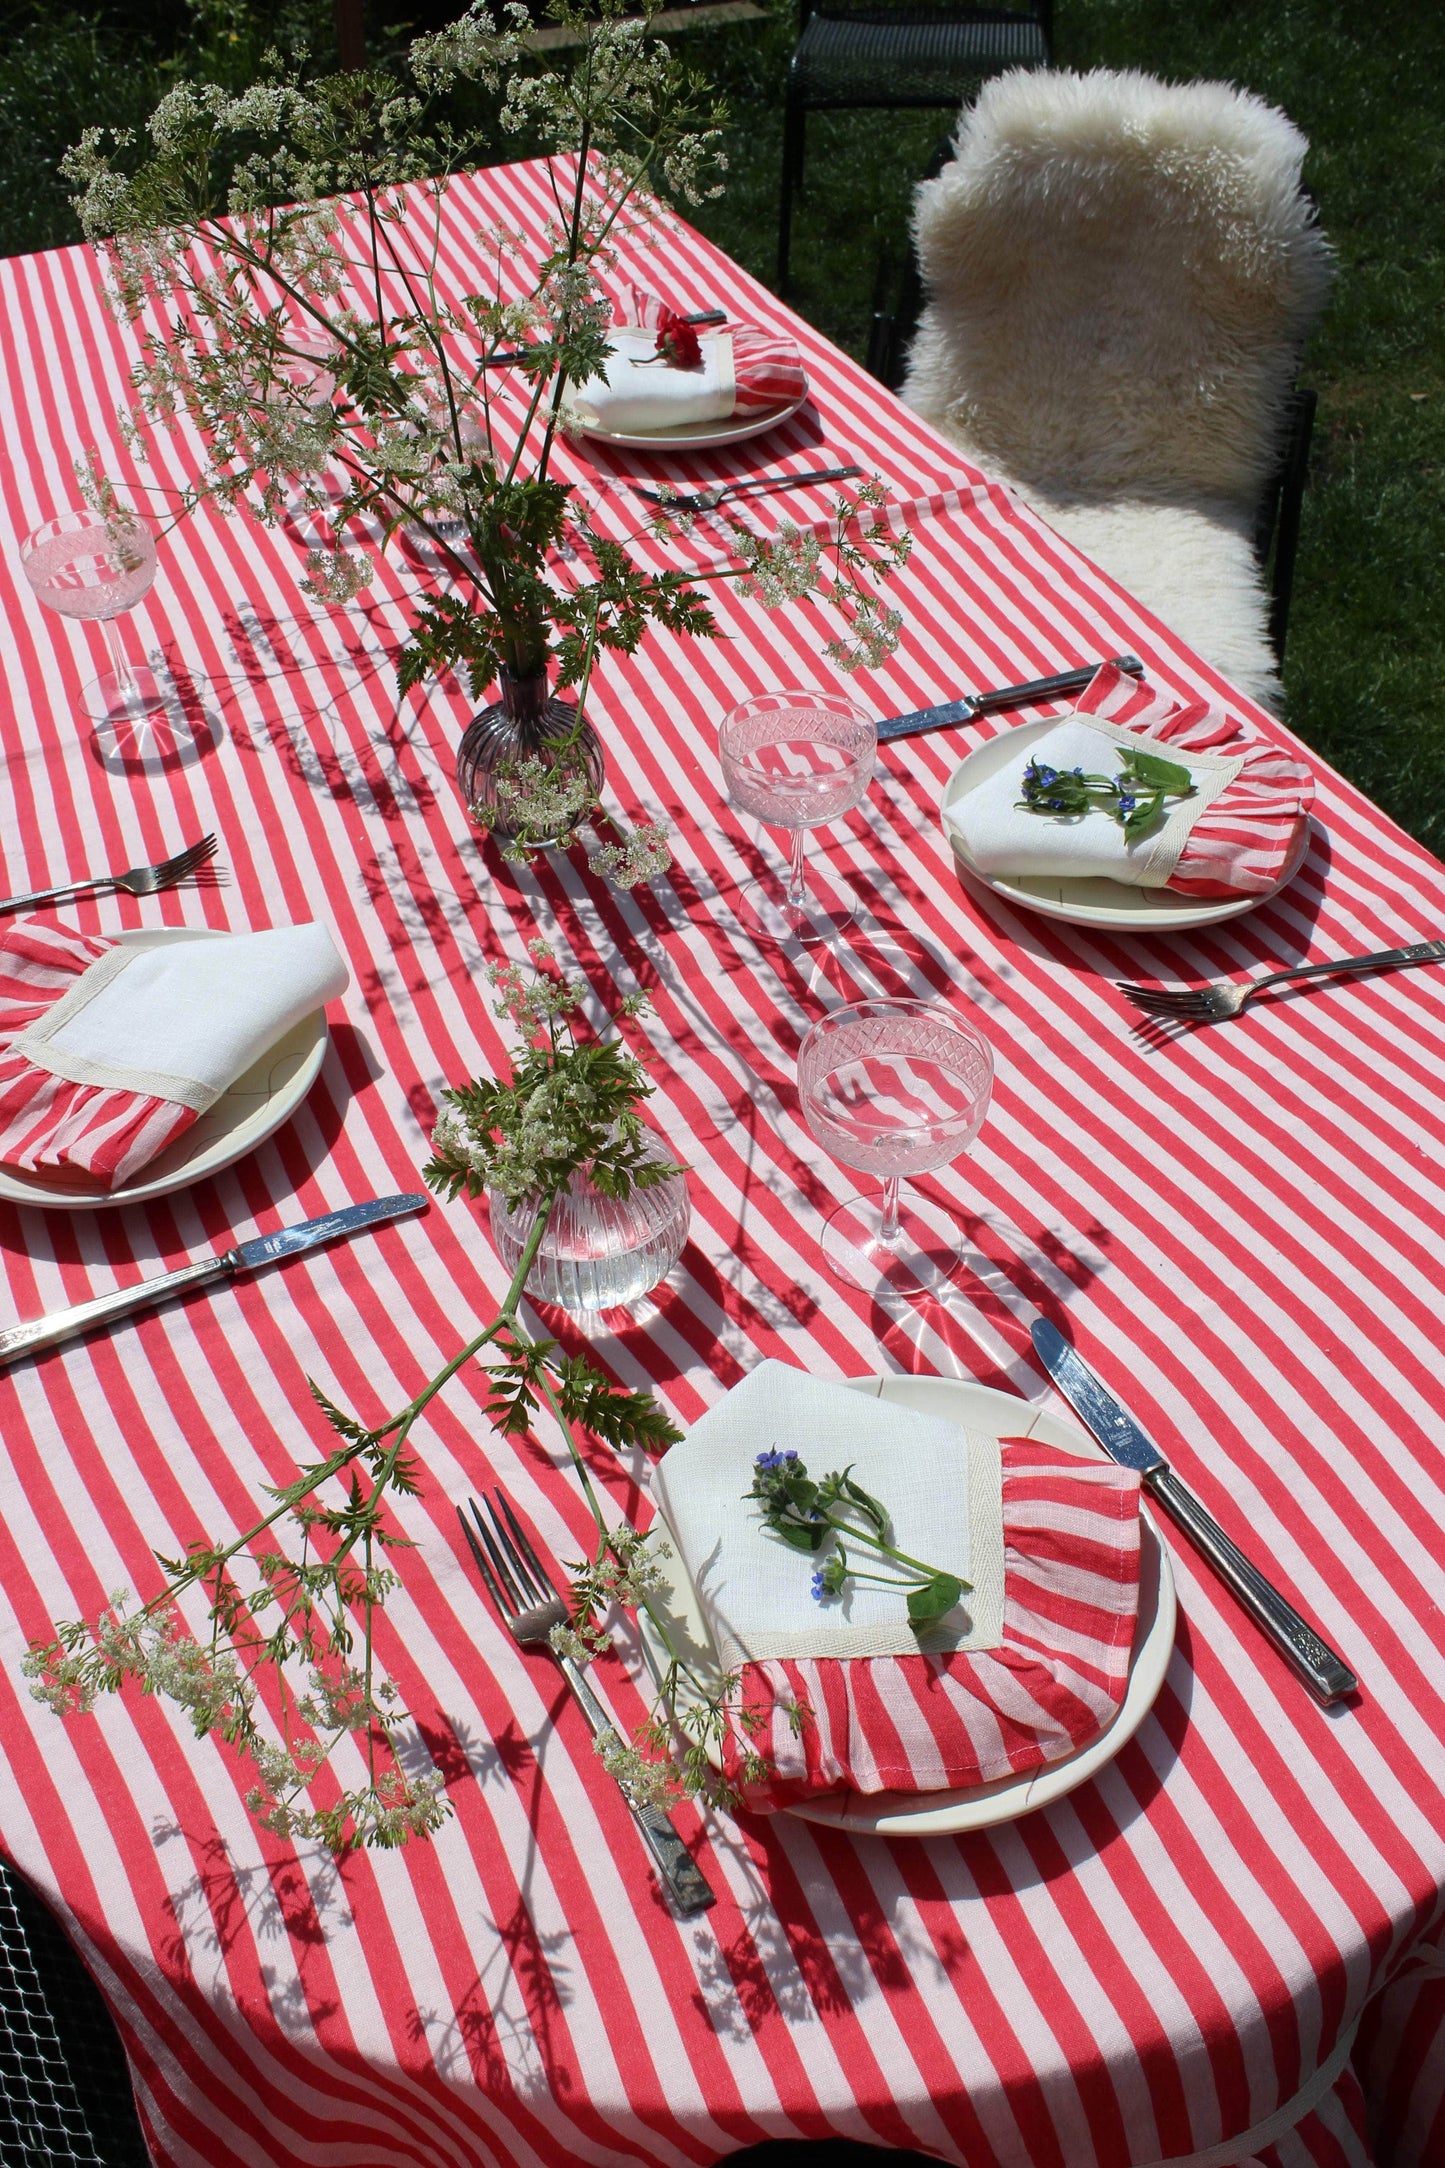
1366,658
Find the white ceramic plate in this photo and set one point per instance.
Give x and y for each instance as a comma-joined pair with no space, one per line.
1097,902
698,436
256,1104
938,1814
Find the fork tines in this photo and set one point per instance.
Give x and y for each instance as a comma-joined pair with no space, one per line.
191,859
513,1561
1165,1000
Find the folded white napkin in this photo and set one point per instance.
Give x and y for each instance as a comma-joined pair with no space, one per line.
183,1020
640,392
939,1484
1000,837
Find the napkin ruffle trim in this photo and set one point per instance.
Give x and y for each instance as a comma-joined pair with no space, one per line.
82,1136
944,1723
1241,841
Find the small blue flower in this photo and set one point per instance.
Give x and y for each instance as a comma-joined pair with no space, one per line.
820,1594
1126,802
1045,775
774,1459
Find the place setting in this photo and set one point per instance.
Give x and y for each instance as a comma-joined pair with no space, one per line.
686,381
137,1063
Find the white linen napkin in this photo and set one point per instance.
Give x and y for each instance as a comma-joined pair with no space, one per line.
183,1020
1000,837
940,1485
641,393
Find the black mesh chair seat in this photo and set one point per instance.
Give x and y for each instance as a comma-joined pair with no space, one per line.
65,2096
909,56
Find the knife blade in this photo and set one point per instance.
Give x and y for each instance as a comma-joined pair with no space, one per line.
1326,1675
44,1332
970,706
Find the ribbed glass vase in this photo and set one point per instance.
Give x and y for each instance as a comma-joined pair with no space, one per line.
599,1253
527,724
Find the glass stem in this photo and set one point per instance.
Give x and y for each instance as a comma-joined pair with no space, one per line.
890,1231
124,675
797,879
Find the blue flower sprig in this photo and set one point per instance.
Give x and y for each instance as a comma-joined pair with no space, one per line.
1136,798
806,1514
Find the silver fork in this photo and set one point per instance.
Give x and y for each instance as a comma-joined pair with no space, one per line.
756,485
1212,1004
139,881
530,1608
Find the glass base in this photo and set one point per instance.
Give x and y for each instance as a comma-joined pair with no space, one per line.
109,699
763,910
923,1261
165,722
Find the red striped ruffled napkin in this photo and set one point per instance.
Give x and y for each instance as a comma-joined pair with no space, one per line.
945,1722
1241,840
1232,837
71,1133
109,1052
1033,1663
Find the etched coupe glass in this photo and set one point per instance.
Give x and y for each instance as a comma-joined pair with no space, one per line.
894,1088
796,760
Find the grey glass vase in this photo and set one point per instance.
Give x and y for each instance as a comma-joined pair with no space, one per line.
599,1253
502,789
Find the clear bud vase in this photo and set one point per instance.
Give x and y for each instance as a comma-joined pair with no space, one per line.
598,1253
526,770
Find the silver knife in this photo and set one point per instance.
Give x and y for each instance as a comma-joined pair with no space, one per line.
972,705
1324,1673
43,1332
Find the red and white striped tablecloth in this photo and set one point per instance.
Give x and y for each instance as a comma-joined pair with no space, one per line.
1244,1230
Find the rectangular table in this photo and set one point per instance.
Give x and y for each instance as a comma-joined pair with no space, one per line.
1242,1228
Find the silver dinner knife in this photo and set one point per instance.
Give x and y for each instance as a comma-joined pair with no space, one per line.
972,705
1324,1673
43,1332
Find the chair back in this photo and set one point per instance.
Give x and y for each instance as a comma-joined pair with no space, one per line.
881,11
1121,274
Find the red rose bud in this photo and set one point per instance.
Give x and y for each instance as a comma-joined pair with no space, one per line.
677,342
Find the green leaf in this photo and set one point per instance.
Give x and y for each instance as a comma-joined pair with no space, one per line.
1159,774
866,1503
934,1598
347,1425
1146,813
801,1535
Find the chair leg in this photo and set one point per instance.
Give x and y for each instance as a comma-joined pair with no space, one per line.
1287,525
794,121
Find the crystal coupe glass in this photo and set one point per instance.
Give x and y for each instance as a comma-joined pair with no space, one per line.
894,1088
796,760
84,565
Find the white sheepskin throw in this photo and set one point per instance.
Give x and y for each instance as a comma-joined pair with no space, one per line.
1121,274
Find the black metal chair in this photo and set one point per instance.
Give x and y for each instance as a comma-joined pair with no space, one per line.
65,2095
853,56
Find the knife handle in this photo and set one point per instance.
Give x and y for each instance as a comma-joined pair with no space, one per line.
679,1873
1324,1673
1052,688
43,1332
